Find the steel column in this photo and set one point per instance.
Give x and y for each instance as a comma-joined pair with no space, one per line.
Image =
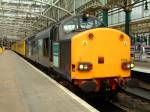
105,17
127,21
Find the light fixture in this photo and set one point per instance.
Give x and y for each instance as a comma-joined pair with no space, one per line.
84,66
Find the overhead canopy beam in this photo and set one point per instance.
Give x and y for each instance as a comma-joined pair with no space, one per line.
19,23
19,27
30,12
53,4
47,10
26,19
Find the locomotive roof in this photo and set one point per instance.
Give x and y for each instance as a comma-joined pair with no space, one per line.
45,33
66,35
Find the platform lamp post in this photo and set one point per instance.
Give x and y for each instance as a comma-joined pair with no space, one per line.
146,7
127,21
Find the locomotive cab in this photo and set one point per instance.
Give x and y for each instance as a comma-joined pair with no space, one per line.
88,55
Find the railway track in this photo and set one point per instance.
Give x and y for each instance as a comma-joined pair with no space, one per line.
141,93
96,102
145,77
123,102
136,97
131,103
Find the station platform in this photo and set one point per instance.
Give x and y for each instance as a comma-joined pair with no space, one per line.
23,88
142,66
141,69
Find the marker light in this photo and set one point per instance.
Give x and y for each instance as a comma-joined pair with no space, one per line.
127,65
91,36
121,37
85,67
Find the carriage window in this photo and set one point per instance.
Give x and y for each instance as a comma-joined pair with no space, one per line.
71,25
56,33
45,47
32,47
29,48
40,47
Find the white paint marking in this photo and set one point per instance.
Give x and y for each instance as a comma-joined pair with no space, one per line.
82,102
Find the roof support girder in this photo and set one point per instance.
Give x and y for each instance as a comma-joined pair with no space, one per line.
53,4
10,9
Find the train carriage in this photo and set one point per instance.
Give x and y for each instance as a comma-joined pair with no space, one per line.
83,52
19,47
38,47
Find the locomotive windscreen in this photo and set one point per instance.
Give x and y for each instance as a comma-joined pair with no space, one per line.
79,23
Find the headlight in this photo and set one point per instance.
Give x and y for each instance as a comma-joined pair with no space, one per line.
127,65
81,66
132,65
84,66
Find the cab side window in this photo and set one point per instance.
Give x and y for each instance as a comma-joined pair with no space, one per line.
54,34
54,37
71,25
45,46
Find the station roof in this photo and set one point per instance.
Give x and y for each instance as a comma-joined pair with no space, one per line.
23,18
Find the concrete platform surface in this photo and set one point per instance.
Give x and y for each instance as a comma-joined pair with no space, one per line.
23,88
141,69
142,66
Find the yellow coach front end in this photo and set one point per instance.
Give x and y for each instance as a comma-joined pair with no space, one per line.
21,47
1,50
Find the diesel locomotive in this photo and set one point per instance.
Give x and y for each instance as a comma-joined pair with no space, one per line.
83,51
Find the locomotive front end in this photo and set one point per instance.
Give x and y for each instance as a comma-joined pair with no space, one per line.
100,58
